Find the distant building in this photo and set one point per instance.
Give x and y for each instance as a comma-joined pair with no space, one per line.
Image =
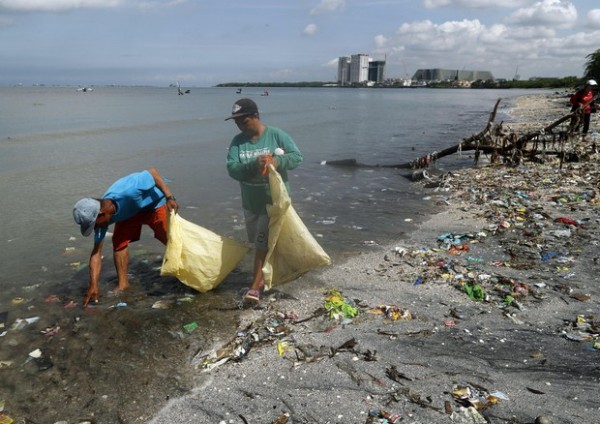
343,70
377,71
441,75
358,69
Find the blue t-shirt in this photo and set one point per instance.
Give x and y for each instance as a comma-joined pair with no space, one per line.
134,193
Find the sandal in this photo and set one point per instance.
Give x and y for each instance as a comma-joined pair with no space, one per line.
253,295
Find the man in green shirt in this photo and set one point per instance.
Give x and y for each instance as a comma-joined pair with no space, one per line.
250,152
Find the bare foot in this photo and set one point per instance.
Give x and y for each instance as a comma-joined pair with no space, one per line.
122,288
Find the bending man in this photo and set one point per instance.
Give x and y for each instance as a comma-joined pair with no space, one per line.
141,198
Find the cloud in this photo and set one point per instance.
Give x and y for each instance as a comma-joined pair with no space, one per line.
380,41
310,30
333,63
474,4
328,6
561,14
593,18
55,5
499,48
154,4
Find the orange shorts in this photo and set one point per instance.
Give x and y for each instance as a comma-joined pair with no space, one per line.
130,230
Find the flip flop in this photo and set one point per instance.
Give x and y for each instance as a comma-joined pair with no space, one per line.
253,296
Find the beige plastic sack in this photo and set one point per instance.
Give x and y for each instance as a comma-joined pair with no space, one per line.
292,248
198,257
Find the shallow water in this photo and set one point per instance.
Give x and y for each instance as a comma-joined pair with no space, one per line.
57,145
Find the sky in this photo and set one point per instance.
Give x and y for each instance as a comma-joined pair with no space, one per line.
202,43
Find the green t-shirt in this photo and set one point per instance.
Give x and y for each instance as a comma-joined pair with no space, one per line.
242,165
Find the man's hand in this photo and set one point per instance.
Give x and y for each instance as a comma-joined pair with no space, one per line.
92,294
264,162
172,205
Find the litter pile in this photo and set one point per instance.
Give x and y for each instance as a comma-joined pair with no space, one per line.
524,240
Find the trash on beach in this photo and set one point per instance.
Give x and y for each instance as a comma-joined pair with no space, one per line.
583,329
475,292
163,304
282,419
5,419
288,315
190,327
37,353
337,306
567,221
468,415
51,298
118,305
420,175
382,417
582,297
21,323
51,331
392,312
284,347
267,329
477,397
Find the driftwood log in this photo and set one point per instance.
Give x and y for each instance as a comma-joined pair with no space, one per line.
511,146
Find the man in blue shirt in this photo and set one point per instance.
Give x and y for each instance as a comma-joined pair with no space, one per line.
141,198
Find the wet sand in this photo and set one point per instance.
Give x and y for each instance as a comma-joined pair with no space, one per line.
526,236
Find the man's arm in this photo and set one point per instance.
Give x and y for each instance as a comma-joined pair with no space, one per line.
236,169
292,156
162,185
95,266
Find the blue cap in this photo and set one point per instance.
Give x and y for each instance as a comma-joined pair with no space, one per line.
85,213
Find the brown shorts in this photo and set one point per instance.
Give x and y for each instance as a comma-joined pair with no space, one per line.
130,230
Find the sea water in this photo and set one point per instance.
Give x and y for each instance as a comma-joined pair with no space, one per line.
58,145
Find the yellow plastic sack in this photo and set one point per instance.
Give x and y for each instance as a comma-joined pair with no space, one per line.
292,249
198,257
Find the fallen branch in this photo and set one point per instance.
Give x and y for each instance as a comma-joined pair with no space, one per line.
495,141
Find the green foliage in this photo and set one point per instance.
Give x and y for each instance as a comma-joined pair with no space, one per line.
592,66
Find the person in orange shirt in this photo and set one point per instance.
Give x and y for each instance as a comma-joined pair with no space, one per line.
584,99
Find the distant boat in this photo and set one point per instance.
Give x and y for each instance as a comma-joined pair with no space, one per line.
180,92
265,93
85,89
239,90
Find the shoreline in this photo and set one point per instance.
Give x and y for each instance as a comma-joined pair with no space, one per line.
527,361
405,366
